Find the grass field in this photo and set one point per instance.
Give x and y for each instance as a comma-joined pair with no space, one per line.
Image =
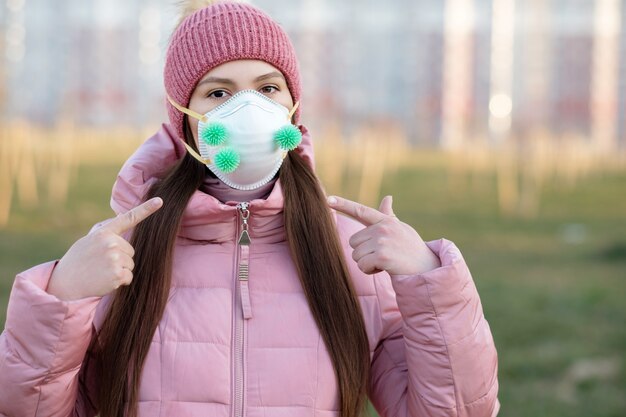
553,288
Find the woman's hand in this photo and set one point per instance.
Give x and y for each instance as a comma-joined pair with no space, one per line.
101,261
386,243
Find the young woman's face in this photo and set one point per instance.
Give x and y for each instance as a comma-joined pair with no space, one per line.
223,81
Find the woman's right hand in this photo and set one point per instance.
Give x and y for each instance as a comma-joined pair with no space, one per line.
101,261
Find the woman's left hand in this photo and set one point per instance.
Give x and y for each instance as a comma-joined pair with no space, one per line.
386,243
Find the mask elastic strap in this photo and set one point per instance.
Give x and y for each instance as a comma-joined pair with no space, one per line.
295,107
195,116
195,154
187,111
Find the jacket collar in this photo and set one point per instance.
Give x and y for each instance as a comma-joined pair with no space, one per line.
205,218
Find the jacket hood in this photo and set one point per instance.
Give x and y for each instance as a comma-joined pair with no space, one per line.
205,218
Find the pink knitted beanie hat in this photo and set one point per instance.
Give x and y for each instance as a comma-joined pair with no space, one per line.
218,33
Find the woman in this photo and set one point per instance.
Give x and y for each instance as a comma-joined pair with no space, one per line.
228,284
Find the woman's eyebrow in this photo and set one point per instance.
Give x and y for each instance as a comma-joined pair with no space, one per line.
272,74
216,80
219,80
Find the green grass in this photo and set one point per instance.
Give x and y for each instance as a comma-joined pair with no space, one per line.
551,305
557,310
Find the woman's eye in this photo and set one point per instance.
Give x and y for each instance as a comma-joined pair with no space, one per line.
269,89
217,94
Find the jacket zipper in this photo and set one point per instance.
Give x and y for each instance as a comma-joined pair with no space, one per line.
243,309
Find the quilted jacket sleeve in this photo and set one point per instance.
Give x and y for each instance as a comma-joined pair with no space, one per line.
43,362
436,356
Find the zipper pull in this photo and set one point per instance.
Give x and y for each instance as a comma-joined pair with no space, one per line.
244,214
244,261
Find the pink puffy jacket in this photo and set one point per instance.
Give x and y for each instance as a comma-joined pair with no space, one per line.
226,347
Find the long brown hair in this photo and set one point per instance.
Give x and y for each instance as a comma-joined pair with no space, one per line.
136,310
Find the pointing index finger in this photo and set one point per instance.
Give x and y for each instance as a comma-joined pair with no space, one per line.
363,214
134,216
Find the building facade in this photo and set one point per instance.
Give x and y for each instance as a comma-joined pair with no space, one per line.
446,71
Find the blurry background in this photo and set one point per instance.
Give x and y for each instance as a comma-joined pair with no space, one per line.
498,124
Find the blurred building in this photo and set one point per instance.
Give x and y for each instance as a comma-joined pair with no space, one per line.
97,62
447,71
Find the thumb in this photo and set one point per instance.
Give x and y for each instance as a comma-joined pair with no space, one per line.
385,206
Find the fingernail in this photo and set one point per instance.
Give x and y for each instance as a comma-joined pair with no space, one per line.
332,200
156,202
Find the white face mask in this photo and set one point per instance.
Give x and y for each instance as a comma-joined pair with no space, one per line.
244,140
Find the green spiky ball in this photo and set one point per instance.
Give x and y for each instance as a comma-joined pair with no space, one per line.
214,134
288,137
226,160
